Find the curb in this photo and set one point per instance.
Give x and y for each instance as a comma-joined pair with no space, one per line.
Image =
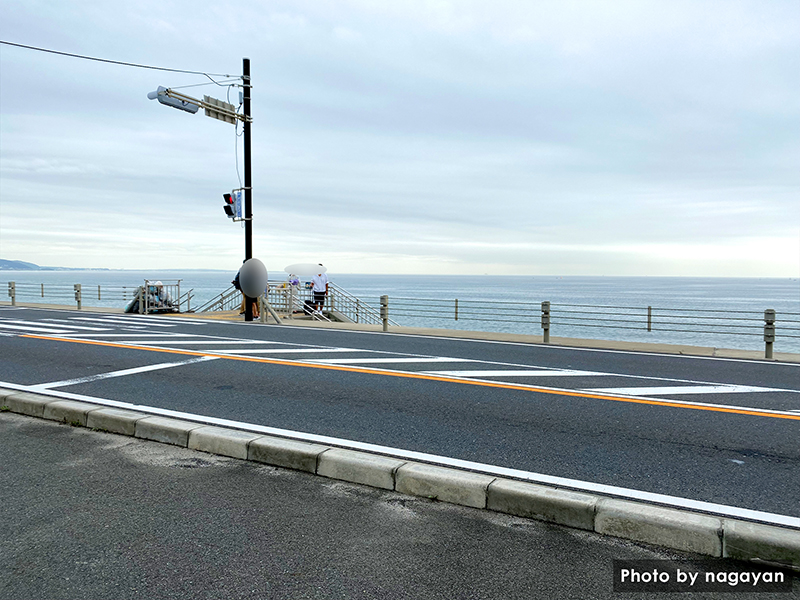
681,530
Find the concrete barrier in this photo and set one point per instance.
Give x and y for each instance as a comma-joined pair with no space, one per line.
168,431
763,543
280,452
447,485
114,420
25,403
5,392
68,411
359,467
676,529
573,509
218,440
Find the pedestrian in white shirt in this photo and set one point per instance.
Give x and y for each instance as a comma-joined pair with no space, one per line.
320,289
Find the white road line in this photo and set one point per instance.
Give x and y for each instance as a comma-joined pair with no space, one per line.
78,328
288,350
497,471
122,373
54,323
161,335
375,361
33,329
170,318
192,342
132,317
681,389
515,373
113,321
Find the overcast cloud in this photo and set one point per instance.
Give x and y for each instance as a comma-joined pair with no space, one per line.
563,138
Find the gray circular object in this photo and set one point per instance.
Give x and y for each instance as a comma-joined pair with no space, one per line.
253,278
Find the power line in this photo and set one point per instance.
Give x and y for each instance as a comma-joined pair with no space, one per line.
228,83
116,62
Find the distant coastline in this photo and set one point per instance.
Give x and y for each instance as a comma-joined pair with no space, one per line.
21,265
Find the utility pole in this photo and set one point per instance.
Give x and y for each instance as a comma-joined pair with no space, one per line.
248,186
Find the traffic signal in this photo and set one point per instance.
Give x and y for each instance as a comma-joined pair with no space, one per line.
229,206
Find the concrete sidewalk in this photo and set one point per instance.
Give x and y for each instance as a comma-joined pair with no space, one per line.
92,515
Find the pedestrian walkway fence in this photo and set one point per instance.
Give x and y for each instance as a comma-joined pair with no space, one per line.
159,297
294,301
548,317
152,297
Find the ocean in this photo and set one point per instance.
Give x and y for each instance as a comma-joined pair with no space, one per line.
686,310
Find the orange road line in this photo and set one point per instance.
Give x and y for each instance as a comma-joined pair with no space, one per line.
440,378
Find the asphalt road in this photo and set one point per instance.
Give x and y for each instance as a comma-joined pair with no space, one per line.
717,430
100,516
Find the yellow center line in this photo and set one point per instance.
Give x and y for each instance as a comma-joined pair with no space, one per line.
440,378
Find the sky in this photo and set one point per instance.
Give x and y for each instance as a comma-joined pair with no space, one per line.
646,138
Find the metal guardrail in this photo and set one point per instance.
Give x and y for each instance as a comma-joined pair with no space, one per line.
81,295
230,299
341,305
768,324
290,300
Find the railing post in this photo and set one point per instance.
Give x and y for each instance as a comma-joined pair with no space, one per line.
142,296
546,322
262,309
12,292
649,318
456,309
385,312
77,287
769,331
42,290
98,292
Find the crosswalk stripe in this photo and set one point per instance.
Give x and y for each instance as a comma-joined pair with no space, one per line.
34,329
116,321
121,373
190,342
61,323
681,389
376,361
51,323
130,334
288,350
516,373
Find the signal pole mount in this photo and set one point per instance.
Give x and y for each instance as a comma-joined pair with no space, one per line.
226,112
